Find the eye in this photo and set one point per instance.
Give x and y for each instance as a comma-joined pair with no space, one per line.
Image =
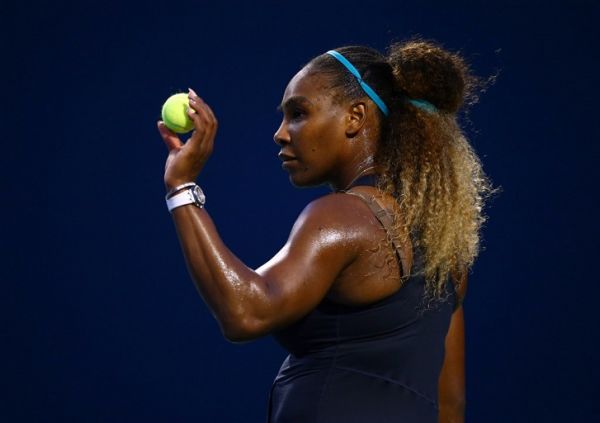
297,114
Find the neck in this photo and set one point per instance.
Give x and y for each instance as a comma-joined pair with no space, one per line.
348,181
359,160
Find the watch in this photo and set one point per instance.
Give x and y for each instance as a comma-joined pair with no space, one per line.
192,195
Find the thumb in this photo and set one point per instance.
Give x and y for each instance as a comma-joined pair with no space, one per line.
170,138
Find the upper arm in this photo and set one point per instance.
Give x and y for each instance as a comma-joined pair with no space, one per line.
323,241
460,281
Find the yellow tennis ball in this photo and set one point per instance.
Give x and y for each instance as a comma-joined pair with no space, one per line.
174,113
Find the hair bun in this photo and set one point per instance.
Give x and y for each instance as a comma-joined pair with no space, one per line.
424,70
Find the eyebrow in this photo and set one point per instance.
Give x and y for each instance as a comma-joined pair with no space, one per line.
292,101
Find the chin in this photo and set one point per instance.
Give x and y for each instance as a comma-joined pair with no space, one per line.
305,181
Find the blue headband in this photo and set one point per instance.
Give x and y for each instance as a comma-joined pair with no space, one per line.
421,104
372,94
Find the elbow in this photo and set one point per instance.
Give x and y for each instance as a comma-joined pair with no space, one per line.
242,330
245,321
236,336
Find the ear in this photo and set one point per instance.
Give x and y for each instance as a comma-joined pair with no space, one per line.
355,118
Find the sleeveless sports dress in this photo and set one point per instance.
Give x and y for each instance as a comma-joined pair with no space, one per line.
367,364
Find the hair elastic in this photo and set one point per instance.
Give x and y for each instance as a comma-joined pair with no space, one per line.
372,94
421,104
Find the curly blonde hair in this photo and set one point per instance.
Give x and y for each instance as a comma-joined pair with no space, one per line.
427,163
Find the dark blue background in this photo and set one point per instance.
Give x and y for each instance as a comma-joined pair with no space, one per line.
100,321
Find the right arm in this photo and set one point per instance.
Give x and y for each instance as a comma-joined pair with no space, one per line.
250,303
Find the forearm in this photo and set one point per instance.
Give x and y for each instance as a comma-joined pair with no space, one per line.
451,412
452,390
227,285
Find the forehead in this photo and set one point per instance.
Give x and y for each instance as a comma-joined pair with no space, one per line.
307,84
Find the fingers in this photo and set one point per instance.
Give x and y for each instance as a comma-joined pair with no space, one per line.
205,123
187,160
199,107
170,138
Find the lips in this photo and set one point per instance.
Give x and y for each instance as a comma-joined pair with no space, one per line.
286,157
288,161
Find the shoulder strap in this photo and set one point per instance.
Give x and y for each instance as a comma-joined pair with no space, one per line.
386,220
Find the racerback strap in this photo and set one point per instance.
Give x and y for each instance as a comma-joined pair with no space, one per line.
386,220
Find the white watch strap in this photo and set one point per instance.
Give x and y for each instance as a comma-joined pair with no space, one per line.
179,188
181,199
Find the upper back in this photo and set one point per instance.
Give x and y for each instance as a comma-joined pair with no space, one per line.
383,259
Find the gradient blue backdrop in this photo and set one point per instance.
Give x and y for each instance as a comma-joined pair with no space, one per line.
100,321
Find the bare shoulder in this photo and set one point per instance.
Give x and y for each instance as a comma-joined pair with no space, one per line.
337,224
326,239
337,212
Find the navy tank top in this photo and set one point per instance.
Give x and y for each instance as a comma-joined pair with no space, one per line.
375,363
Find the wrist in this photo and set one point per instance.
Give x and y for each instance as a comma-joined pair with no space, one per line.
171,182
188,193
176,189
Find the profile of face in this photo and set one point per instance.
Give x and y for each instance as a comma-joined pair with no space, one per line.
312,134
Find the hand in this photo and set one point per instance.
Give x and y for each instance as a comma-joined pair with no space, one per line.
185,161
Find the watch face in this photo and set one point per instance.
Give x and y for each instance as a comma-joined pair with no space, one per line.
198,196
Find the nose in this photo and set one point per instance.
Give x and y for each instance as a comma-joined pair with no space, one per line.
282,135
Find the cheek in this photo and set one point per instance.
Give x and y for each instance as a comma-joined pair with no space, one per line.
321,140
317,144
324,147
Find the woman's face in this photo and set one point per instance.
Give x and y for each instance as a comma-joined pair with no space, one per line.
312,132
